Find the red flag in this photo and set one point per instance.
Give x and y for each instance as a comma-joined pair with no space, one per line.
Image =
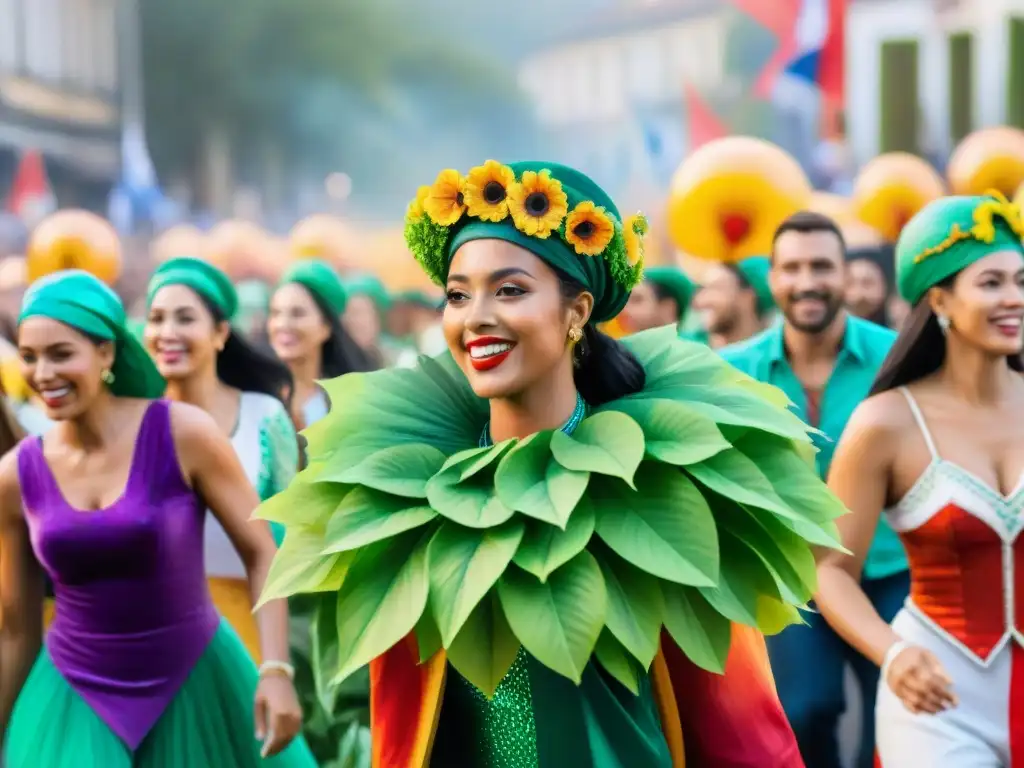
703,125
31,196
779,17
831,61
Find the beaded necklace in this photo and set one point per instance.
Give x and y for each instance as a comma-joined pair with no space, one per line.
579,413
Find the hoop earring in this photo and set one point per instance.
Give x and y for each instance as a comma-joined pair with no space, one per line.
107,376
943,321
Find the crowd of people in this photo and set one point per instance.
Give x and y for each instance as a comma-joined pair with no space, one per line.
571,509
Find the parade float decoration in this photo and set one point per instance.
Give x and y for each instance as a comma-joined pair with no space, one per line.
74,239
327,237
893,187
728,197
991,158
179,240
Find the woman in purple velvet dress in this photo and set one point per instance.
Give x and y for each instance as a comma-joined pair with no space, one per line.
137,669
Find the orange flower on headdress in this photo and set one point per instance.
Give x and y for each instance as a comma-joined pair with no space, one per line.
445,202
589,229
486,191
415,210
633,231
537,203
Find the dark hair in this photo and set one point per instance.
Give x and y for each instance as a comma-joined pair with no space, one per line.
920,349
339,354
806,222
247,368
605,369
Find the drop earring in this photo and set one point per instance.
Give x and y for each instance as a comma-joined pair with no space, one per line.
107,376
943,323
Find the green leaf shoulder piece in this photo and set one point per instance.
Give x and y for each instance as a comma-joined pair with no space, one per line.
680,509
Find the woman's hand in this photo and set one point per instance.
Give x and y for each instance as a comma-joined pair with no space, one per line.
917,677
278,714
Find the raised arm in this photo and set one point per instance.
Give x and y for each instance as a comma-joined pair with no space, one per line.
211,465
21,592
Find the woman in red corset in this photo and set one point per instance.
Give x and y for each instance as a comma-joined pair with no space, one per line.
938,449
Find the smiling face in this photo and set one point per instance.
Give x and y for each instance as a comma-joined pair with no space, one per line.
296,326
985,304
182,335
62,366
647,309
808,278
507,319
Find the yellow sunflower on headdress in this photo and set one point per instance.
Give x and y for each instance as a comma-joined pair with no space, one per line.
537,203
415,210
633,230
486,191
445,202
589,229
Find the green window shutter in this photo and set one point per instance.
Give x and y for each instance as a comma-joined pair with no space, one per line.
899,96
961,85
1015,77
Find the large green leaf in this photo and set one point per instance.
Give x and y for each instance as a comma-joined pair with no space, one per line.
700,631
303,503
367,515
666,530
635,606
464,564
607,443
428,636
485,647
301,567
743,579
381,599
673,432
528,480
559,621
471,502
617,661
545,547
473,461
732,475
324,631
401,470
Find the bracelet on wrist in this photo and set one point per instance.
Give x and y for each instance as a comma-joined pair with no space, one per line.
891,653
272,667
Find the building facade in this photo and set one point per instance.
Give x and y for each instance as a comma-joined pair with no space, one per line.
60,93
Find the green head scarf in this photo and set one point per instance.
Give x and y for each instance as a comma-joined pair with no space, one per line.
83,302
673,281
370,287
950,234
755,271
419,298
202,277
555,212
320,279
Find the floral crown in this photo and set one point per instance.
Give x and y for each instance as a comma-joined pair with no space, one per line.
538,206
984,228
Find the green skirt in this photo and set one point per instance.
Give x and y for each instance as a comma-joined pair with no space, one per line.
209,724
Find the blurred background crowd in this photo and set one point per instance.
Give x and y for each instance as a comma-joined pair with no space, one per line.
256,132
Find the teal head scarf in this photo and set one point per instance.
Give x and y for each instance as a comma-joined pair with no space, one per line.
755,271
950,234
418,298
555,212
370,287
202,277
83,302
675,282
320,279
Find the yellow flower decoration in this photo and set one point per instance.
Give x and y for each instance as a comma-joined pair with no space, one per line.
633,231
589,229
415,210
486,191
538,204
445,202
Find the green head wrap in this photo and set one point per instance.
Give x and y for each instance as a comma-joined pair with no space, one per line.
320,279
675,282
755,271
81,301
950,234
372,288
418,298
555,212
202,277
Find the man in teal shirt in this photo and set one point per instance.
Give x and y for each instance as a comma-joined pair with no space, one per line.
825,360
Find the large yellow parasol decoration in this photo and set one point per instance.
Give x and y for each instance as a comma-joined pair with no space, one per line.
991,158
74,239
893,187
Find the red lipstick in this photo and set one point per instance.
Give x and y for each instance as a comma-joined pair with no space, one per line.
490,359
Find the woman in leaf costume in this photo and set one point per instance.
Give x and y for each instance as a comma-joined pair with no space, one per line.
305,331
190,304
549,545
